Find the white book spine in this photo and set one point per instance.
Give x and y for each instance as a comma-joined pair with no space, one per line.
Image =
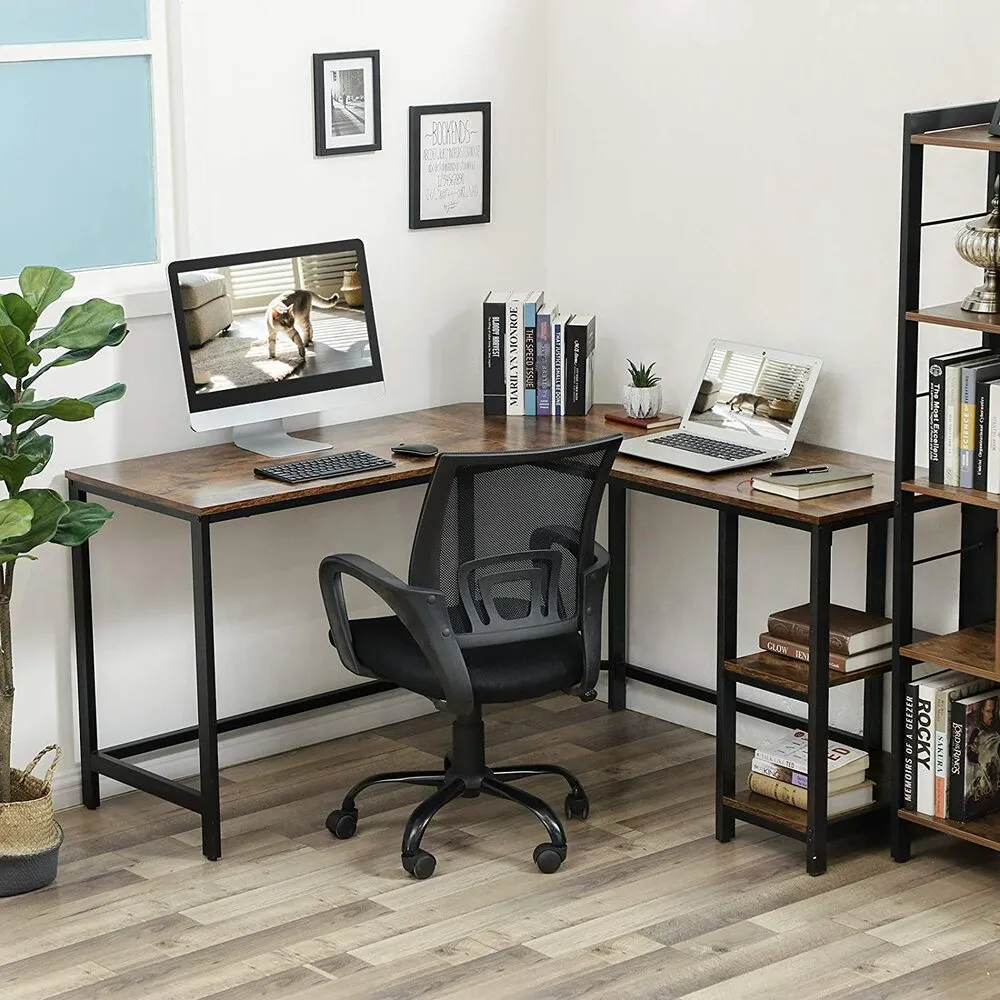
924,756
515,357
993,449
952,404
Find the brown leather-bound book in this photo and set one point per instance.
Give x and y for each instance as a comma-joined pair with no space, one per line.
851,631
667,420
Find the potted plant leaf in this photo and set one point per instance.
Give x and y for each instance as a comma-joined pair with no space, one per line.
30,517
642,394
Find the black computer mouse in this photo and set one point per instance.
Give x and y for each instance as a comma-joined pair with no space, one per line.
421,450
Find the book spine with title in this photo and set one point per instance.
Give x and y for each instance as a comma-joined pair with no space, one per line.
971,377
543,361
838,661
580,339
993,446
980,456
494,354
515,356
530,326
558,366
909,747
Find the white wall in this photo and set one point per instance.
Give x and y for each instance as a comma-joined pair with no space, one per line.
727,169
247,178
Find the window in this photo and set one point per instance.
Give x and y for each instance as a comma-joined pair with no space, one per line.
84,184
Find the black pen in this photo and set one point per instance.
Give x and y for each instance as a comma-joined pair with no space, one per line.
800,472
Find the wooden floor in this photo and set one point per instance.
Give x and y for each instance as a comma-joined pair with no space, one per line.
647,904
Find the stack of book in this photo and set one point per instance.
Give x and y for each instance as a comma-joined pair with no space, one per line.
780,771
963,390
537,360
951,746
858,640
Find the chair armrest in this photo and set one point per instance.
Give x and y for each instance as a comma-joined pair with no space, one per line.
422,612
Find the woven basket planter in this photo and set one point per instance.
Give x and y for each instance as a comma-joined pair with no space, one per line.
29,835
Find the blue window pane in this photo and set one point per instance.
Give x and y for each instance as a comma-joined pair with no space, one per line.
23,21
76,176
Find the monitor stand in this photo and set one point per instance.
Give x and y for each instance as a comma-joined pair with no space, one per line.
268,437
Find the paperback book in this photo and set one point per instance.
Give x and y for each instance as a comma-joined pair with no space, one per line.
938,370
843,801
515,355
838,661
835,783
793,753
494,348
543,360
529,325
974,756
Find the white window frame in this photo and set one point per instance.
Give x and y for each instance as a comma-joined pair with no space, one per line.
140,288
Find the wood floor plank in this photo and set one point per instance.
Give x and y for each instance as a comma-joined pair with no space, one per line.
648,904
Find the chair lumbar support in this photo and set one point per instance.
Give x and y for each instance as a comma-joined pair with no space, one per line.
465,774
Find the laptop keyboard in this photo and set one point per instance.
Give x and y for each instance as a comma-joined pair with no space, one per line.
707,446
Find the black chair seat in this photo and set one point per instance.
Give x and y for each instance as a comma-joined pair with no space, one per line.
513,671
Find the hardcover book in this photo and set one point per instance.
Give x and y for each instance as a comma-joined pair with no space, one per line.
914,716
924,738
980,458
993,449
838,661
661,420
808,485
580,340
543,360
532,304
835,783
851,631
836,802
793,753
494,354
515,355
974,756
558,366
971,375
950,445
943,698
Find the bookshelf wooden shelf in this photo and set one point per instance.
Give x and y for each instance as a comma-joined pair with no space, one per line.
969,137
954,315
953,494
972,648
778,673
985,831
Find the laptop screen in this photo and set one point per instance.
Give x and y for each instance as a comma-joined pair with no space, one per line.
753,392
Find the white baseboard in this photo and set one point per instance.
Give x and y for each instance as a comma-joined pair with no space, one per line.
262,741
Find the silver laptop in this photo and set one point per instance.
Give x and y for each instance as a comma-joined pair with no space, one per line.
746,408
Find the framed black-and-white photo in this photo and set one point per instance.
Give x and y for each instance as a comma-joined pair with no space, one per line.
449,165
346,102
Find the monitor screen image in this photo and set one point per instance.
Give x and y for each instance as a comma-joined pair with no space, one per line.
753,393
258,326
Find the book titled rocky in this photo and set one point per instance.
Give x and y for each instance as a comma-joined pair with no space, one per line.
974,756
850,631
838,661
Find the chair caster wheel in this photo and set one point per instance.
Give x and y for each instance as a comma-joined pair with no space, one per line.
577,806
420,865
343,823
549,857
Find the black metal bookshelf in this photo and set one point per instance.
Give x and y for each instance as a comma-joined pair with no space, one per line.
972,648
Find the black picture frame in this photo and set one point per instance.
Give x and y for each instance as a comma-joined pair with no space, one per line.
417,114
370,139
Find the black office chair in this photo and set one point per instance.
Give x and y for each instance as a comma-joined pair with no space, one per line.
503,604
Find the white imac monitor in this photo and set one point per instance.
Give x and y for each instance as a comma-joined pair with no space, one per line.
273,334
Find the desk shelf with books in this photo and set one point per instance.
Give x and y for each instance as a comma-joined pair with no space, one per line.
954,477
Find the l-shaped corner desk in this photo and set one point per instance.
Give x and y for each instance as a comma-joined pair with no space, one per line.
204,486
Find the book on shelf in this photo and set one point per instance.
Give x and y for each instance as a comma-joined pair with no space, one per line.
971,375
835,782
839,802
543,360
515,355
993,444
980,457
974,756
661,420
952,412
494,354
851,631
529,325
963,687
809,485
912,712
793,753
580,341
558,365
838,661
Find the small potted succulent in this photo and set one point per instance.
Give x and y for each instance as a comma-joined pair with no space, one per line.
642,394
31,517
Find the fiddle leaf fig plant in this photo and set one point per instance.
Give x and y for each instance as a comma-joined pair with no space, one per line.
31,517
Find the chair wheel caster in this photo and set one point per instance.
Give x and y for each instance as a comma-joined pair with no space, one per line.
343,823
549,857
577,806
420,865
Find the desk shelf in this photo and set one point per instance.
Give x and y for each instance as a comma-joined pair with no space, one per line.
984,831
971,650
952,494
772,672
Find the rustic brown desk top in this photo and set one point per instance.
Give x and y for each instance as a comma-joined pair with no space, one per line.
219,479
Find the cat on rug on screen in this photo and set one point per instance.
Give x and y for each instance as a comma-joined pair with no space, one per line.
289,313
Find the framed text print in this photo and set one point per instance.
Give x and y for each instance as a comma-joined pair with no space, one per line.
346,102
449,165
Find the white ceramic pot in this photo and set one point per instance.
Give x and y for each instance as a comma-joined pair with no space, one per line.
644,402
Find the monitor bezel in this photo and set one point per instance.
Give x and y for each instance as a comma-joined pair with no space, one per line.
286,388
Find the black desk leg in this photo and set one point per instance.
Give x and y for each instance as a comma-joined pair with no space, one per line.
725,706
875,573
617,594
820,544
208,722
83,623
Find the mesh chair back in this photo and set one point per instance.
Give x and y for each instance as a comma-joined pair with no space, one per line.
504,535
